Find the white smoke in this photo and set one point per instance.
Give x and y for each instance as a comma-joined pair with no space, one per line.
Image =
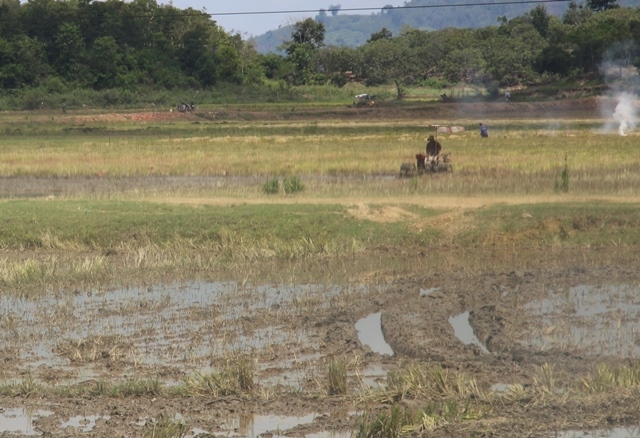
622,79
626,113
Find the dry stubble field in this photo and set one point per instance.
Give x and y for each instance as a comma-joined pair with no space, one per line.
151,287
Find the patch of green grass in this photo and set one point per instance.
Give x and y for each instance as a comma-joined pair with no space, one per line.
80,225
582,224
24,388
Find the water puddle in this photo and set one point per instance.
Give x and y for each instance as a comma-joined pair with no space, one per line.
618,432
500,388
464,331
373,376
20,421
330,435
256,425
166,325
599,320
275,426
370,334
427,292
83,423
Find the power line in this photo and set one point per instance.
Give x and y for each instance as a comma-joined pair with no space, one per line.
307,11
456,5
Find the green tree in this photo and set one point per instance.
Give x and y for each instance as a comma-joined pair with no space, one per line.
576,15
307,37
108,66
388,60
384,33
30,60
593,38
308,32
540,20
71,53
464,65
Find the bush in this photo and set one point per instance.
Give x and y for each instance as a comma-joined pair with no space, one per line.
271,187
292,185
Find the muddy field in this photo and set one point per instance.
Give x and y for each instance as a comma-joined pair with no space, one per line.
527,325
573,310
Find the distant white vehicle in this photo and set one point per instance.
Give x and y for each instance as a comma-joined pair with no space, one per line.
364,100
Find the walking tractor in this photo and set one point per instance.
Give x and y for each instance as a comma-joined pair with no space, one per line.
432,160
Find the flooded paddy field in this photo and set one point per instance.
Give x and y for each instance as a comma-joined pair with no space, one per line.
500,330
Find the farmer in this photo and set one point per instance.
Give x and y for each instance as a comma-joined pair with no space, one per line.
483,131
433,150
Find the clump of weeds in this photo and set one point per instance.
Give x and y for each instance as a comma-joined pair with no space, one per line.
292,184
435,382
163,427
234,378
337,377
271,187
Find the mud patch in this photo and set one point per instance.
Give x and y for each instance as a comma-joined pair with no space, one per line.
381,213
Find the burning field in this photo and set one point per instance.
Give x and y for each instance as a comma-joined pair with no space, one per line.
156,296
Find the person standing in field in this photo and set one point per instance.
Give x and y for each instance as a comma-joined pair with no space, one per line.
433,150
483,131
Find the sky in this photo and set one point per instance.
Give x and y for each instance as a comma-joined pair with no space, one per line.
254,25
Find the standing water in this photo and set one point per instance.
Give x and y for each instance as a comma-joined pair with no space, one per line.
464,331
370,333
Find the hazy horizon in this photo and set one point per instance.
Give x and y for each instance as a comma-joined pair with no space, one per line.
258,24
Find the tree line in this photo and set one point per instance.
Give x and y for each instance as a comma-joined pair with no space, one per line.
112,44
532,48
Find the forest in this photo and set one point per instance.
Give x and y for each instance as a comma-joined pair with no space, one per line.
126,50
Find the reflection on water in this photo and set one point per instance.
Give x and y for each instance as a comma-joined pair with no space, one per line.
370,334
464,331
256,425
600,320
274,426
167,325
84,423
20,420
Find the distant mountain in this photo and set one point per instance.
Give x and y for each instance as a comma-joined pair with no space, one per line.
354,30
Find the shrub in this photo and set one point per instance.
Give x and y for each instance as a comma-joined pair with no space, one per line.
292,185
271,187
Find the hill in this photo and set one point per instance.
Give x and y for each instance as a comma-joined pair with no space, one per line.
354,30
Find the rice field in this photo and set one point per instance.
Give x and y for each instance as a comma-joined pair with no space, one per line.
207,274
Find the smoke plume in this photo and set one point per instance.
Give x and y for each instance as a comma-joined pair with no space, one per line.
620,109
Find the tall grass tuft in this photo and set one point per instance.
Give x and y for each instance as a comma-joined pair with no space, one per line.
167,428
292,184
234,378
401,421
271,187
434,382
337,377
562,181
604,378
545,380
385,425
25,388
